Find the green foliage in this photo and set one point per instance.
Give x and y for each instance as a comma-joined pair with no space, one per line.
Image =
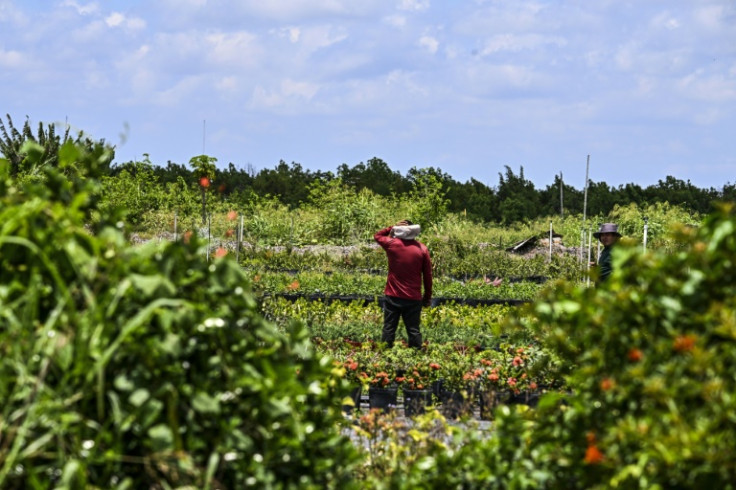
145,367
651,357
427,198
349,216
134,188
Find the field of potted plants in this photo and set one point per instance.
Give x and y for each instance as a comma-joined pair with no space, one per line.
183,363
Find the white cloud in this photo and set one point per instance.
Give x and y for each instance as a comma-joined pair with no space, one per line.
180,93
514,43
88,9
304,90
713,88
11,59
430,43
292,33
413,5
115,19
665,20
229,49
288,97
711,17
395,20
227,84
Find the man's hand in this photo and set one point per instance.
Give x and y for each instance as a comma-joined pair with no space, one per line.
403,222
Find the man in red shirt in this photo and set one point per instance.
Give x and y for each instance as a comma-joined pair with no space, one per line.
409,266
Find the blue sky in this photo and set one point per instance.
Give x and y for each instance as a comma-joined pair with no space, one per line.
647,88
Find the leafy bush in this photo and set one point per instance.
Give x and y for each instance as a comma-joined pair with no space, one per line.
145,367
651,357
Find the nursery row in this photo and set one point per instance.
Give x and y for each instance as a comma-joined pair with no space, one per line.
455,259
456,377
362,322
363,284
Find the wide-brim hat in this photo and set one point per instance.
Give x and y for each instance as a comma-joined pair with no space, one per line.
607,228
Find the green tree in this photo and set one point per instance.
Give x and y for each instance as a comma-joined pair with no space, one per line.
427,197
12,144
518,199
204,169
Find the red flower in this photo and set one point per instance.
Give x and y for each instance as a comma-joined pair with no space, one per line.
493,377
229,233
220,252
434,365
204,182
607,384
684,343
293,286
593,455
231,215
517,361
635,355
511,382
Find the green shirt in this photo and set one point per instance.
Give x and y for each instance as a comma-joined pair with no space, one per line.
604,264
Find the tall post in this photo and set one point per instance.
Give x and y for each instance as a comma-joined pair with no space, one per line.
239,239
550,241
176,216
585,195
562,209
209,236
646,230
590,239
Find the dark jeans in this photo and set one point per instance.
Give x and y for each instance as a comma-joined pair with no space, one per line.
407,309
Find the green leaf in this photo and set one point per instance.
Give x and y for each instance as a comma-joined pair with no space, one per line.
204,403
153,284
139,397
161,437
123,383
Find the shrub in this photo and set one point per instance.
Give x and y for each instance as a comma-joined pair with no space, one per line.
146,367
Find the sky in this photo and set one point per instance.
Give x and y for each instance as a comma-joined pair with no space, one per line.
645,88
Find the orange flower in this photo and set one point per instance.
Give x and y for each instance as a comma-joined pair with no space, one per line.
517,361
493,377
293,286
204,182
607,384
231,215
593,455
220,252
635,355
684,343
434,365
229,233
533,385
511,382
188,236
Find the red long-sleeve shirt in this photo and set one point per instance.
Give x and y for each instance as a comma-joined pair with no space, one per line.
409,266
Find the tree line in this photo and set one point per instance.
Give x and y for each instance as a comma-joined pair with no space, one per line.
513,199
